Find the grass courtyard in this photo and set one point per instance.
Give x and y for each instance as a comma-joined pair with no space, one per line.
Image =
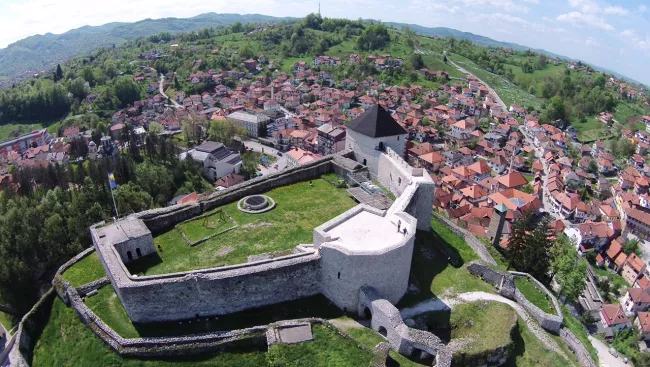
299,209
534,295
85,271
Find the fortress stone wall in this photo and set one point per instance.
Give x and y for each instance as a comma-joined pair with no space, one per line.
338,264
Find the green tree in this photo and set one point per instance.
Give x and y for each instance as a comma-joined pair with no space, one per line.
555,110
250,161
79,88
415,61
126,91
374,37
631,246
88,75
569,271
130,198
58,74
156,128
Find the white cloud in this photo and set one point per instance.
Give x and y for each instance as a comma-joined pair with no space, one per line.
589,20
641,8
531,1
632,37
629,33
615,10
507,5
585,6
592,42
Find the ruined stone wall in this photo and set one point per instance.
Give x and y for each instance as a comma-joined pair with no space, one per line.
576,346
386,320
29,328
223,291
505,283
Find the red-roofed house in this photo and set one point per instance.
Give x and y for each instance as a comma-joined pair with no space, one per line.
642,322
636,300
612,316
512,180
633,268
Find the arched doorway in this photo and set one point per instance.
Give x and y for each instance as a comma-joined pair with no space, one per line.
129,255
364,162
367,314
137,252
382,330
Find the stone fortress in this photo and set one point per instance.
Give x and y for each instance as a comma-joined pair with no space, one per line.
348,252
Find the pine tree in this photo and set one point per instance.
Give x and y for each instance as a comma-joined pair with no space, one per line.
58,75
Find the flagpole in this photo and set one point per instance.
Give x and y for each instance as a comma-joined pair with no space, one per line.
115,205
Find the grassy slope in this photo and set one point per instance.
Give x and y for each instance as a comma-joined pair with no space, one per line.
431,272
534,295
303,206
327,349
85,271
10,130
65,341
531,352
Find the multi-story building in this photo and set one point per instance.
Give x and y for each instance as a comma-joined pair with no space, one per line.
24,142
330,139
255,124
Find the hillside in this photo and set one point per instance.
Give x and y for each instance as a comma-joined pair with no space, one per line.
39,52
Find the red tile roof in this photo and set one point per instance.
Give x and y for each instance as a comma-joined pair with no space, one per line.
613,315
512,180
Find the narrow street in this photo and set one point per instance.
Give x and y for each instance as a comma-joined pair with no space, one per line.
162,92
281,161
605,358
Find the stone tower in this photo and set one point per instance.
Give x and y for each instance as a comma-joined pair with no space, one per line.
496,223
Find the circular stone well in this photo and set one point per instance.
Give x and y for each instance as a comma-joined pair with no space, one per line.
255,204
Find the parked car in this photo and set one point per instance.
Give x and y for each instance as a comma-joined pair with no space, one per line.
613,352
279,154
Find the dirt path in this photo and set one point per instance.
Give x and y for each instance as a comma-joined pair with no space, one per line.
162,92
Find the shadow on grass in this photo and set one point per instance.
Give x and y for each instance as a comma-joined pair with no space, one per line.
141,265
519,348
431,256
315,306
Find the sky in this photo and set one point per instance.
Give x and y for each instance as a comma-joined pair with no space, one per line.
613,34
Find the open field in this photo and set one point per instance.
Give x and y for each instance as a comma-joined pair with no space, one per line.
300,208
65,341
107,306
509,92
534,295
85,271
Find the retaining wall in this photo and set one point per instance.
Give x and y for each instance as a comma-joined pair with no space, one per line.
576,346
476,245
30,327
505,283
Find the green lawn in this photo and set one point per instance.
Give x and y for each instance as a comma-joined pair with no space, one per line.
12,130
85,271
198,229
531,352
590,130
107,306
534,295
486,324
65,341
300,208
433,274
327,349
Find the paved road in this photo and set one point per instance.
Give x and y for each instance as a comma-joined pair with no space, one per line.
281,160
606,359
162,92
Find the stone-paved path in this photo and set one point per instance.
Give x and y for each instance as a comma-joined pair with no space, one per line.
440,304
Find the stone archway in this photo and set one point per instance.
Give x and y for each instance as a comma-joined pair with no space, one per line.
367,313
382,330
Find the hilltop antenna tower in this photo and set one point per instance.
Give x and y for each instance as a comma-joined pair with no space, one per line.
319,8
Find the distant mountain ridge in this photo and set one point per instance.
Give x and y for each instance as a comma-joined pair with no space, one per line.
40,52
35,53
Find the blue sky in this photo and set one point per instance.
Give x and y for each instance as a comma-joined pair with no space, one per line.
613,34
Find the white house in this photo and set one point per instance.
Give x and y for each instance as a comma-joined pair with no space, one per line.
217,160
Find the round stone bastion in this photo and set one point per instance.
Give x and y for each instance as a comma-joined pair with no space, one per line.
255,204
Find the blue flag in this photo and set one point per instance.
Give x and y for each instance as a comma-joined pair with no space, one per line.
111,181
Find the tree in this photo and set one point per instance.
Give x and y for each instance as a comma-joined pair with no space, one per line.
192,126
156,128
528,245
415,61
110,70
528,189
593,166
374,37
58,74
88,75
225,131
569,271
630,246
444,58
79,88
250,161
126,91
555,110
130,198
245,51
